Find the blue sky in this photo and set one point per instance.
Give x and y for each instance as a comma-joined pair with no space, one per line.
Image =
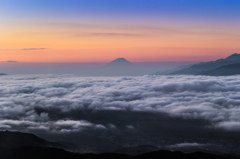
214,10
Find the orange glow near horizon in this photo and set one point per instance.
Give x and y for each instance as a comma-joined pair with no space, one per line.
74,44
39,31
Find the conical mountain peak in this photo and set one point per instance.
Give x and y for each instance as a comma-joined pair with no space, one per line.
120,62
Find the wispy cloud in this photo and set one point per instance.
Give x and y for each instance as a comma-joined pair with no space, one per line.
110,34
34,49
11,61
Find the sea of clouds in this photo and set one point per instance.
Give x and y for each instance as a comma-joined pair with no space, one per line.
118,106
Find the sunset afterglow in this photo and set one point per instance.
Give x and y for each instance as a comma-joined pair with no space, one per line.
100,31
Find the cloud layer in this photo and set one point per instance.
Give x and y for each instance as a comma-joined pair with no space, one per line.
121,106
214,99
34,49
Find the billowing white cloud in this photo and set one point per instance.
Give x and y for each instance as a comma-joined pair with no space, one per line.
186,145
124,111
59,126
50,98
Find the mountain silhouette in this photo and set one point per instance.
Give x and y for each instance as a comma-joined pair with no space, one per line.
233,57
119,67
197,69
226,70
119,63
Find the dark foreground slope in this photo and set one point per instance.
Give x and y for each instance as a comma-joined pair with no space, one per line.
50,153
11,140
137,150
15,145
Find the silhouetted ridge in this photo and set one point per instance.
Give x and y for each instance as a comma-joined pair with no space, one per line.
227,70
234,57
197,69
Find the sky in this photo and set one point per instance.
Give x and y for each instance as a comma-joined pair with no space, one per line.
101,31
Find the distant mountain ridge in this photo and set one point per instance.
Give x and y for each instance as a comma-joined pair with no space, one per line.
234,56
226,70
203,67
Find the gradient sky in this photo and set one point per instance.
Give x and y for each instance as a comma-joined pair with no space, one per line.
103,30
